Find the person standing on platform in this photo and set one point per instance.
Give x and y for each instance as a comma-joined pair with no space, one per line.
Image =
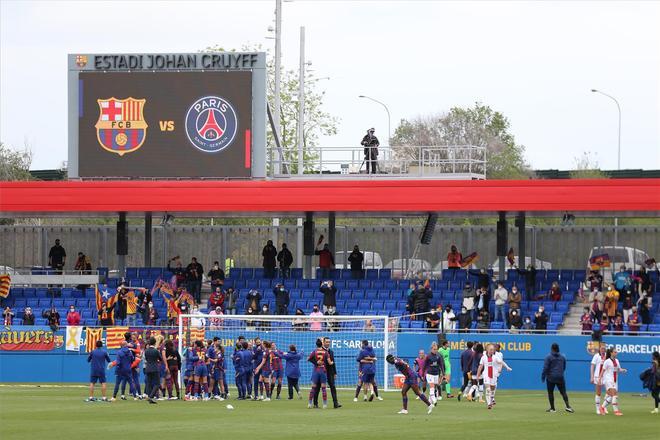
285,260
269,254
371,144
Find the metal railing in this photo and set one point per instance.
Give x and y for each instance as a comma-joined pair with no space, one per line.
455,162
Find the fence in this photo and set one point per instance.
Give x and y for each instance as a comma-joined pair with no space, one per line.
563,247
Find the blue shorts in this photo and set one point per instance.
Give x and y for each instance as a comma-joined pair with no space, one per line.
100,378
411,380
368,377
266,374
216,374
319,377
162,372
201,371
278,374
188,373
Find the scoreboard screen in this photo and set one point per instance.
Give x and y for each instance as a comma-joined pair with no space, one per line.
163,123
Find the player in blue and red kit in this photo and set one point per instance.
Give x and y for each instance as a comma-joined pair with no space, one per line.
123,371
238,378
215,379
367,371
98,359
278,369
265,368
188,380
245,366
200,371
255,385
319,358
410,382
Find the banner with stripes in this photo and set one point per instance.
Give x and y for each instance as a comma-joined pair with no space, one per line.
114,336
91,336
5,284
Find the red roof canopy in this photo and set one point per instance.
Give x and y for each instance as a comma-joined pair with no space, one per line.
199,198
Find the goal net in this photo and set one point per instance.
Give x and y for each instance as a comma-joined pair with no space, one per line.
346,334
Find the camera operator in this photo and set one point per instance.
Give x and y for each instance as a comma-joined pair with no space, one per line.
329,292
370,144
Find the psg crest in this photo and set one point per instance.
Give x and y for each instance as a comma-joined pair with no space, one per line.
211,124
121,127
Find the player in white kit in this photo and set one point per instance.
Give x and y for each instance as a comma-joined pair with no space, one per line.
499,361
488,366
595,374
610,379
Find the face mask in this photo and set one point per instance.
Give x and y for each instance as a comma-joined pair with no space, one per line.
71,310
315,309
216,267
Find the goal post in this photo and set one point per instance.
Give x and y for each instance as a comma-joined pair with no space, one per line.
346,334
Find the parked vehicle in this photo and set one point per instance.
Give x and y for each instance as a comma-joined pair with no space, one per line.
419,268
372,260
630,257
538,264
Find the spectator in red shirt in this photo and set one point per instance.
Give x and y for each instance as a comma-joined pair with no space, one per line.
454,258
73,317
587,321
555,291
217,299
633,321
326,261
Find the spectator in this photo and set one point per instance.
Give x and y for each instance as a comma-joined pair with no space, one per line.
483,320
644,281
644,306
356,258
57,256
604,325
409,299
369,326
269,254
621,279
627,301
448,321
611,302
594,280
281,299
217,276
464,320
421,300
299,323
73,317
541,319
433,320
633,322
194,274
617,325
285,260
326,261
316,325
28,316
84,267
250,311
515,320
8,316
151,314
586,321
500,296
329,292
120,304
530,281
483,280
555,292
265,325
197,320
454,258
216,299
178,270
215,321
515,298
231,298
52,317
527,325
254,300
469,298
597,300
655,381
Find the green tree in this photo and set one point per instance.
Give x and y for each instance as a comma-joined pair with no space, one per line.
317,121
14,165
477,126
586,167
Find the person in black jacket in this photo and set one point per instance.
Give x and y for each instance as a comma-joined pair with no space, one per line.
421,301
541,319
356,258
329,292
152,361
217,276
331,369
270,254
530,281
194,274
281,299
370,144
553,375
464,320
285,259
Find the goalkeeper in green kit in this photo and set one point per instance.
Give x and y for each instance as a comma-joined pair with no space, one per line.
444,352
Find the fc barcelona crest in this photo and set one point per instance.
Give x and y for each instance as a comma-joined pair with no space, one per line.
121,127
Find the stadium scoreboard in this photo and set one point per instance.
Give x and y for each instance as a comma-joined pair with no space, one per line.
200,115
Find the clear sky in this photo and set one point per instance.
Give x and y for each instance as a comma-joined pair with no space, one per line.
534,61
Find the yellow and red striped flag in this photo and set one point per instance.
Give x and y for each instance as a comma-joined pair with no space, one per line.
114,336
91,336
470,259
5,284
197,334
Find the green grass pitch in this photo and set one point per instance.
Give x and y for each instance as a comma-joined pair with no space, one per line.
32,412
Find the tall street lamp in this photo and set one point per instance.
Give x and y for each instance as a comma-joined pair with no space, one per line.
389,121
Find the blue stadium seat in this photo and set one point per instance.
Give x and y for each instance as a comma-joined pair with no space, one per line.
383,294
385,274
346,274
562,307
112,282
390,305
235,272
417,325
370,294
352,284
498,325
456,285
131,272
252,284
447,274
551,275
566,274
19,304
549,306
143,272
378,306
460,275
257,273
351,304
372,274
556,317
296,273
266,284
